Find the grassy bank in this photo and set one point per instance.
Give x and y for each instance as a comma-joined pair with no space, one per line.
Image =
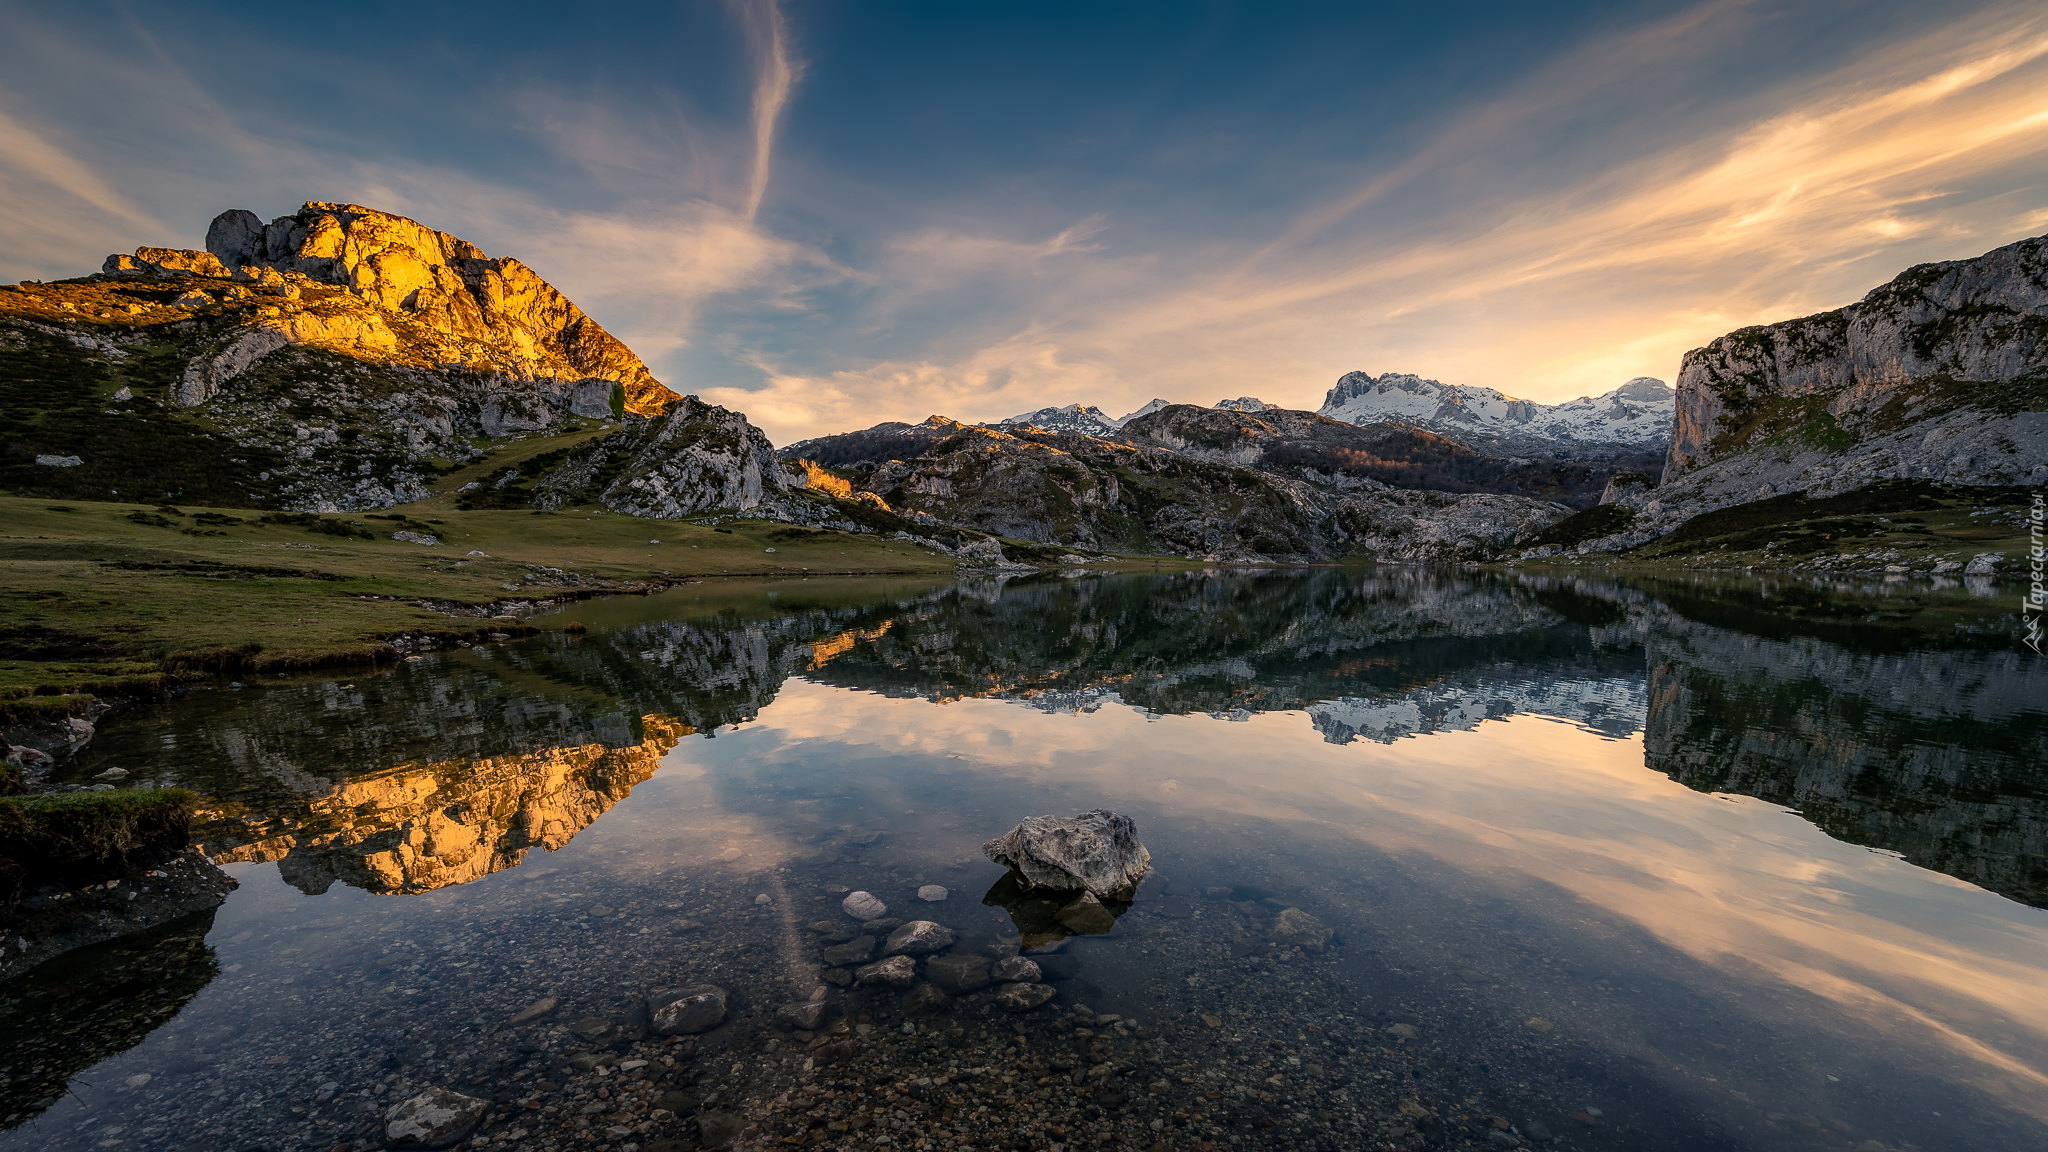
77,838
111,598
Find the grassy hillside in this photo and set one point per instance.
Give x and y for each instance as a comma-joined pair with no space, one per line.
98,597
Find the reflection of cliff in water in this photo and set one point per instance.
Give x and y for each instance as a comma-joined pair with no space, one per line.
417,827
64,1017
1934,754
1373,655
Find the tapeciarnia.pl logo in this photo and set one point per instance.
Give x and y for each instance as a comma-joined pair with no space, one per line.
2036,602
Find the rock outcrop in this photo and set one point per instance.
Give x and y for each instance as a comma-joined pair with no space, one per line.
339,359
696,457
456,306
1940,375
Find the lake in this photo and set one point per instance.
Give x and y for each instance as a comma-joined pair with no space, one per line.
1591,863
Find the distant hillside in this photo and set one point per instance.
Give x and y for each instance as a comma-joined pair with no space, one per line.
1135,491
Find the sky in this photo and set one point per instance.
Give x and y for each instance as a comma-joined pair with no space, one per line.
828,214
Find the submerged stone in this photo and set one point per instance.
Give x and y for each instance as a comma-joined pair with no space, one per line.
436,1118
683,1011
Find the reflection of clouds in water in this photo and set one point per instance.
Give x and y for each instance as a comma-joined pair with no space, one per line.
1738,884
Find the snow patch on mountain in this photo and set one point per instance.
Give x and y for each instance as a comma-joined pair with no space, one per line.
1242,404
1083,418
1638,412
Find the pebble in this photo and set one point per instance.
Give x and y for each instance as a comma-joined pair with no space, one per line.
683,1011
436,1118
1017,970
918,938
763,899
894,972
1293,926
864,906
1023,997
534,1011
932,893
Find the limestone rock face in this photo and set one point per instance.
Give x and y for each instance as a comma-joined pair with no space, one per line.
1983,320
694,458
1941,374
1096,851
463,307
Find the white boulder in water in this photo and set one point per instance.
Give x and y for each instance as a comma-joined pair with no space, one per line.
1097,851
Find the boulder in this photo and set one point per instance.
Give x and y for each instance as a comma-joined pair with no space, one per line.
682,1011
894,972
918,938
958,972
1023,997
436,1118
1097,851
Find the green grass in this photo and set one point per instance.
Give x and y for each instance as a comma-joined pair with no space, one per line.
96,600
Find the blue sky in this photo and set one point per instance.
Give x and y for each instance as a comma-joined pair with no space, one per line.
828,214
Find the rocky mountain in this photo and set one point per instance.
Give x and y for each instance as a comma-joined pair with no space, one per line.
1083,418
338,359
1187,495
1638,413
1940,376
1316,449
1242,404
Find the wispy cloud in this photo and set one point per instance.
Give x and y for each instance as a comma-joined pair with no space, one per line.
1816,191
775,78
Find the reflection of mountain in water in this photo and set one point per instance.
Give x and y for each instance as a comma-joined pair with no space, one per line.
63,1018
1611,707
1236,643
417,827
1936,755
449,768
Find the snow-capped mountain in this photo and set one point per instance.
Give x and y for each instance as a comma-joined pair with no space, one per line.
1242,404
1638,412
1083,418
1093,421
1151,406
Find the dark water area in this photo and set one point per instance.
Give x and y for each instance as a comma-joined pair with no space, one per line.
1603,865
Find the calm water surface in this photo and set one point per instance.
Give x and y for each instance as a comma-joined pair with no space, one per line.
1613,866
